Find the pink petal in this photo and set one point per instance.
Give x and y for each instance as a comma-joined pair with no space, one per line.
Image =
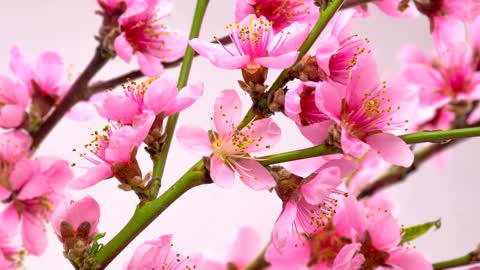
21,65
355,216
218,56
328,98
34,188
4,193
185,98
221,174
392,149
448,33
413,55
406,259
474,31
342,23
11,115
121,144
14,145
84,210
423,75
321,186
324,52
82,111
160,93
384,230
264,134
10,219
290,38
149,64
349,258
390,7
194,139
245,247
283,225
57,172
34,234
123,48
49,71
364,78
24,170
278,62
227,112
243,8
176,43
152,254
345,166
254,175
293,256
93,175
117,107
316,133
352,145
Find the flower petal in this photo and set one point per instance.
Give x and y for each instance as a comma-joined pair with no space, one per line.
221,174
21,65
316,133
290,39
11,115
49,71
123,48
185,98
278,62
117,107
254,175
194,139
245,247
227,112
34,235
391,148
406,259
218,55
349,258
384,230
328,98
264,134
283,225
93,175
160,93
321,186
149,65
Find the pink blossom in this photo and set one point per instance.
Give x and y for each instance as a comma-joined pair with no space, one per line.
255,45
122,8
76,214
14,99
14,145
308,204
229,147
144,36
113,146
160,96
338,51
391,8
35,188
159,254
366,111
281,13
47,74
465,10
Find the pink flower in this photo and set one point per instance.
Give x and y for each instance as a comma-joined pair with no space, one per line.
281,13
122,8
338,52
47,74
14,145
391,8
366,111
35,188
160,96
465,10
14,99
308,204
255,45
115,145
76,219
144,36
229,147
300,107
159,254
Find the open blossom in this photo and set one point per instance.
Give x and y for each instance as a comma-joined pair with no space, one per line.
307,202
375,236
151,42
76,220
338,52
114,146
255,45
280,13
159,254
14,99
465,10
160,96
34,188
366,111
229,147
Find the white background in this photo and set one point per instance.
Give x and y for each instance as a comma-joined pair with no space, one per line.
205,218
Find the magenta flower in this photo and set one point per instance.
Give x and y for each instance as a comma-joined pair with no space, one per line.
115,145
307,202
338,52
144,36
366,111
159,254
160,96
35,188
280,13
255,45
80,216
300,107
14,99
375,235
229,147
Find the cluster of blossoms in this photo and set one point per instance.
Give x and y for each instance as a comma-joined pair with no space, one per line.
335,97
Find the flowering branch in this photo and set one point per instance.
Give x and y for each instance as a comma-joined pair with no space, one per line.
259,262
76,93
471,258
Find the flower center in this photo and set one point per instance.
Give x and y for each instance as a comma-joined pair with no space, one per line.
326,244
282,12
373,257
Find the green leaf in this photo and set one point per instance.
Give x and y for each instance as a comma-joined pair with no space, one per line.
413,232
96,246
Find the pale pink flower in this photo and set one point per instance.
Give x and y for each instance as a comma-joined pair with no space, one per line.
160,96
47,74
229,147
114,145
14,99
308,203
75,214
255,45
300,107
366,111
280,12
159,254
36,187
338,51
145,37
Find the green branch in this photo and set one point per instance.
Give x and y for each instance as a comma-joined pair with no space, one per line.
471,258
160,159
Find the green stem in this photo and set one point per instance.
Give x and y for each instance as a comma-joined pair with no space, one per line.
147,212
160,160
259,263
471,258
325,15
